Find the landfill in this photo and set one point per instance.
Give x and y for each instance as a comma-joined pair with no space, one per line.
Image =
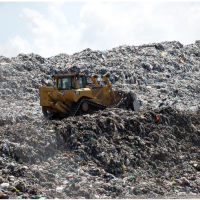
152,152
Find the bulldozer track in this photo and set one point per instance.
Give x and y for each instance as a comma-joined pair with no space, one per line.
77,105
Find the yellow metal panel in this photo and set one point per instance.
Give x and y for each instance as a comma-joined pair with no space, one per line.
106,96
44,97
59,106
84,92
98,95
68,95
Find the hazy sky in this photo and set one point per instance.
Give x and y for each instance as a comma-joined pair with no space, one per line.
50,28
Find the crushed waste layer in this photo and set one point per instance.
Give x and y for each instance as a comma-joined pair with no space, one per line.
115,152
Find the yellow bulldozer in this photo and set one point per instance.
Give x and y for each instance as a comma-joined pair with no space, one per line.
73,95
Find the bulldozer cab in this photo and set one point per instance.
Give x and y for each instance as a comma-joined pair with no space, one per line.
70,81
64,83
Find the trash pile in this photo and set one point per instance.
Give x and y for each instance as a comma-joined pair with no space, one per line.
114,153
164,74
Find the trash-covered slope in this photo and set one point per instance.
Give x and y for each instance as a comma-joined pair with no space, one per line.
113,153
164,74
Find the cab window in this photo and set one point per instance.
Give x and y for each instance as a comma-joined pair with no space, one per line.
80,82
65,83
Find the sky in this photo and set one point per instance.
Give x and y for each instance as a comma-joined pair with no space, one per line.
51,28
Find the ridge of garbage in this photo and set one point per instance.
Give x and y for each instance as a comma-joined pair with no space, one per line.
114,153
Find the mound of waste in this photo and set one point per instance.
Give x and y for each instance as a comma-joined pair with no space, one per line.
161,74
114,153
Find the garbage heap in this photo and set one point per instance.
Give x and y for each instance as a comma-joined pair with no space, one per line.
161,74
114,153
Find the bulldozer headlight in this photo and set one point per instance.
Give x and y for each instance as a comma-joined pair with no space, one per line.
76,92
